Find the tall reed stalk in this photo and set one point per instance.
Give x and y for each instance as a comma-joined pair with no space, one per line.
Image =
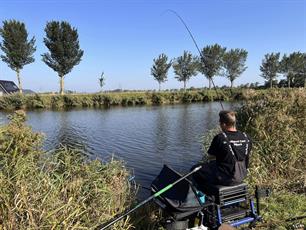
276,121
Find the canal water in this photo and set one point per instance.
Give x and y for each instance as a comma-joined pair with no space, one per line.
145,138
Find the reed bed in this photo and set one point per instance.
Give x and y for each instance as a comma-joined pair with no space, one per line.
276,121
58,190
49,101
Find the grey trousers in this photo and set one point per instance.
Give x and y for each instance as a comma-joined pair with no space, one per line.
209,175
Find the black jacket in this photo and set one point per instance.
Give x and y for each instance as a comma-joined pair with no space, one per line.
224,157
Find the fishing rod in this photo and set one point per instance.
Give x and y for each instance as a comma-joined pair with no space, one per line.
195,43
157,194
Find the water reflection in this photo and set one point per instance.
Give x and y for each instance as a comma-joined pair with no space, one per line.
144,137
161,133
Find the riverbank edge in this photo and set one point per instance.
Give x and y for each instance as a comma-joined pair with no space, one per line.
106,100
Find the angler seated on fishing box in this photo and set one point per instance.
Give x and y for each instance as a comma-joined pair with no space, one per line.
231,149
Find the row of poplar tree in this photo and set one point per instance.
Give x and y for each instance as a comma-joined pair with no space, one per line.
214,60
62,41
292,67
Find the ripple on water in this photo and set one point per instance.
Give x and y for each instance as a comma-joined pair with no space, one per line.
144,137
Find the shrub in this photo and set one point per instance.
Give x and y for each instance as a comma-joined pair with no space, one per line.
157,99
12,101
141,100
35,101
208,95
57,102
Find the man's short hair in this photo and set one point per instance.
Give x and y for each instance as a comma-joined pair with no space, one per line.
227,117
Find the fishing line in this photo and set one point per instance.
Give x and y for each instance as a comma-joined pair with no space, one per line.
195,43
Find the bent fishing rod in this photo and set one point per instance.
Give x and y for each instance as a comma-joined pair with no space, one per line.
195,43
157,194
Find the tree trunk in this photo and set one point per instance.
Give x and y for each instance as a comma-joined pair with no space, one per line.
209,84
305,82
61,85
184,85
271,83
232,84
19,81
288,80
158,86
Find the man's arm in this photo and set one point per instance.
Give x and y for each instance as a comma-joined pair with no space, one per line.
213,149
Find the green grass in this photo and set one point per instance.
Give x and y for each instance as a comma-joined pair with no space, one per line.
281,208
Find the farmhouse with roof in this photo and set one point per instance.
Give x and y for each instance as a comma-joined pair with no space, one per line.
7,87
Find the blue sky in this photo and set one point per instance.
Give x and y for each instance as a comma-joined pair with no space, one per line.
122,38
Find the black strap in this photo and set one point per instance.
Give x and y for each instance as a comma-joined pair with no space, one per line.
231,148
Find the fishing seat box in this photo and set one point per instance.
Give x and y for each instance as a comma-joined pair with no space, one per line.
225,195
231,203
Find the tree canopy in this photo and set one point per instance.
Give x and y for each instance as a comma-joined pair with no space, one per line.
185,67
210,63
160,68
16,47
293,67
234,63
64,49
270,67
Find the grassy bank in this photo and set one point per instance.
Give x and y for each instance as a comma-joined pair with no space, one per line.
276,121
42,101
59,190
63,189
